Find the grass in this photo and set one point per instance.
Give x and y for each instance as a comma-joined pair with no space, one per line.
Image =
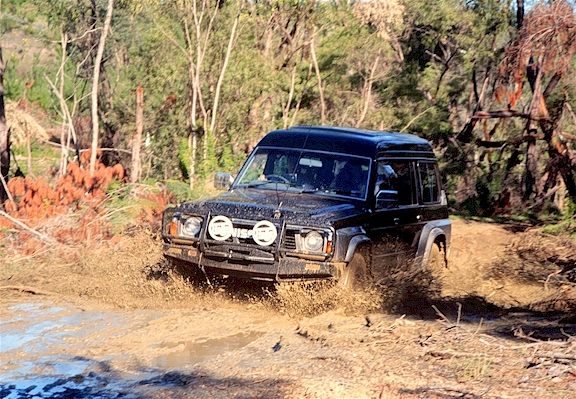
567,226
44,158
472,369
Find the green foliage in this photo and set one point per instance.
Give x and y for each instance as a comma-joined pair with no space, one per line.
181,190
118,189
39,92
226,160
569,212
209,162
565,222
44,158
13,82
424,80
7,23
184,152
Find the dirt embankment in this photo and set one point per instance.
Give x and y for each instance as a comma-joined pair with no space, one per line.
496,324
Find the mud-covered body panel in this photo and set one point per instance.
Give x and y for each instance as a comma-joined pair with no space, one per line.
312,209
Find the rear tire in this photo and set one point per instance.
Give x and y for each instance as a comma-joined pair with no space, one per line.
437,259
356,275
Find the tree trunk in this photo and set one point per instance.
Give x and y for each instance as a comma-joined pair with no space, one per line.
530,170
286,109
95,83
519,13
4,137
320,89
223,70
64,129
368,92
137,140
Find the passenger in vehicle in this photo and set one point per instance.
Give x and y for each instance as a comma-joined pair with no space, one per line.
351,179
403,183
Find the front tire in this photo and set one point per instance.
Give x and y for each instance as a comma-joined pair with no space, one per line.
356,275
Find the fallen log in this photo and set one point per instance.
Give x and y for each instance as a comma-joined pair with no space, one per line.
23,288
43,237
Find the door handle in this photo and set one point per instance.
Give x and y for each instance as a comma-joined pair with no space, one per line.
396,221
419,217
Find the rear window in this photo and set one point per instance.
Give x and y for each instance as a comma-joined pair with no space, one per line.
429,182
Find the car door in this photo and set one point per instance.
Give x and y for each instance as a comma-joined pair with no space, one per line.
396,221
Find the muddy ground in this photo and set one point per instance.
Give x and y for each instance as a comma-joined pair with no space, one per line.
113,320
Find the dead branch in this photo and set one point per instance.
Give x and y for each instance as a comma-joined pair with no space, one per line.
43,237
556,356
519,333
439,313
514,141
443,390
6,188
507,113
548,278
449,354
87,149
23,288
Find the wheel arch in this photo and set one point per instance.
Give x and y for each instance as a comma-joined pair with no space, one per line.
434,233
355,242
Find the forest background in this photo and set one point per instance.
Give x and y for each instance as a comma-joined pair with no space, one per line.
107,98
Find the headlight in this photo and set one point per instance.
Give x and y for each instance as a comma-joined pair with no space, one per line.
314,241
192,226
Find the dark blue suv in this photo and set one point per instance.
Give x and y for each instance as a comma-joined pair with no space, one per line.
319,203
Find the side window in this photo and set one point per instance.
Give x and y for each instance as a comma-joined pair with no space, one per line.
395,184
430,182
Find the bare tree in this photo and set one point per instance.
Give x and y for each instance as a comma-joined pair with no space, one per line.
4,138
196,21
231,41
137,140
519,13
319,77
542,52
96,82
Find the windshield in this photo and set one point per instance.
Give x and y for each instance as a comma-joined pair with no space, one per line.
310,171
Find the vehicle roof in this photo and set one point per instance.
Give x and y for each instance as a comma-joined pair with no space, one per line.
374,144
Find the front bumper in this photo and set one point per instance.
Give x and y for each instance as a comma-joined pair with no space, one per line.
248,264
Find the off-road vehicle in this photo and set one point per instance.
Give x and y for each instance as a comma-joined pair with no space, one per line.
319,203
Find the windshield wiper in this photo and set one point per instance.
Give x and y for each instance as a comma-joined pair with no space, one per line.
256,183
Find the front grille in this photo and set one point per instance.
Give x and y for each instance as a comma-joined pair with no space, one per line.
241,232
289,242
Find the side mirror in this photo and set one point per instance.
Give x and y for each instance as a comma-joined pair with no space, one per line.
386,199
223,181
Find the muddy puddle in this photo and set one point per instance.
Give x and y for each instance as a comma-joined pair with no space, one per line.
196,352
50,350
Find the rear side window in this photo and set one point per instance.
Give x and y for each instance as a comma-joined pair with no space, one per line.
429,182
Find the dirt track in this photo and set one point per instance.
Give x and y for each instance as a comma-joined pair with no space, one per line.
114,321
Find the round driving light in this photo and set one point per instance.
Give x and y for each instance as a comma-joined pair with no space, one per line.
192,226
314,241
